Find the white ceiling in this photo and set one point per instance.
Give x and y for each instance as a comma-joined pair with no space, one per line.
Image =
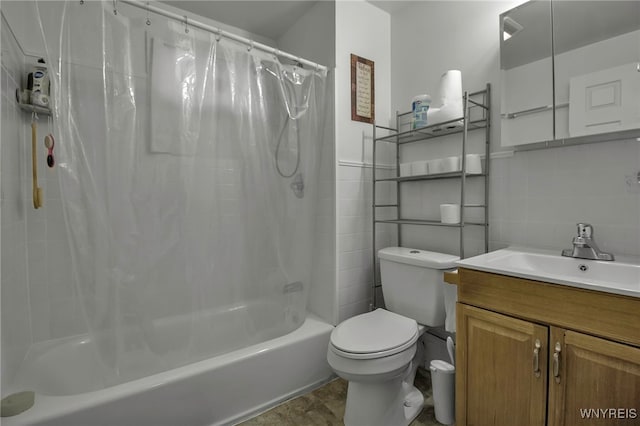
390,6
268,18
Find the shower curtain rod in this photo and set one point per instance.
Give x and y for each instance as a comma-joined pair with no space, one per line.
219,32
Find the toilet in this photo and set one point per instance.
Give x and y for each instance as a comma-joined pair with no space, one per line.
377,352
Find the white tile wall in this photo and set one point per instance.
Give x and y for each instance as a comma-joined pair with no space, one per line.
322,296
537,197
16,328
355,235
38,299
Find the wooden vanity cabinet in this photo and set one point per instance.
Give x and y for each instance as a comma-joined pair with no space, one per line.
532,353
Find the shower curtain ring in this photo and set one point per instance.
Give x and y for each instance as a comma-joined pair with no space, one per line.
148,21
81,2
186,24
276,53
115,7
218,35
250,48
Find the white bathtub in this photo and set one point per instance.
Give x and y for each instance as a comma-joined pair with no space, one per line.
221,390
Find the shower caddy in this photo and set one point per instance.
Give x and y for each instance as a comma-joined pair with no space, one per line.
476,103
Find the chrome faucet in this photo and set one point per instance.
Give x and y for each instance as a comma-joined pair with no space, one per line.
584,247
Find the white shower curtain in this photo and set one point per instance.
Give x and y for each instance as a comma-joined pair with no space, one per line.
188,174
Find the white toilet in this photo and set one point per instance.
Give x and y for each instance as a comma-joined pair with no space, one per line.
377,352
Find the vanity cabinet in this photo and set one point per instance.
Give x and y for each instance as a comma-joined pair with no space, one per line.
498,390
533,353
593,373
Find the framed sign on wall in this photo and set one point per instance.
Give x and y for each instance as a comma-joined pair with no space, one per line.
362,90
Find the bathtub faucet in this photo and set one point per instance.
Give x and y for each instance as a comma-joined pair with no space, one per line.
584,246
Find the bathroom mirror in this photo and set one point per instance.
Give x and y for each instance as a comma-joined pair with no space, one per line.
586,55
596,55
526,74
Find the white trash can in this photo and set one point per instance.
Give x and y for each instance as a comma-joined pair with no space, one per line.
443,381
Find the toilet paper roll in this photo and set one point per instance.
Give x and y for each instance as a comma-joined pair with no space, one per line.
434,166
473,163
450,213
451,164
419,168
450,99
405,169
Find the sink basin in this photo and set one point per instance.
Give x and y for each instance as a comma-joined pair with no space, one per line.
621,276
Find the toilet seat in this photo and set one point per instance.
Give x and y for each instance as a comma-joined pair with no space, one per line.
376,334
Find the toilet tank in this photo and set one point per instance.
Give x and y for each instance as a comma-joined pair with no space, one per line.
412,283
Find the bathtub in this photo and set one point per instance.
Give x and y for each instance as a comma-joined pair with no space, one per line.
225,389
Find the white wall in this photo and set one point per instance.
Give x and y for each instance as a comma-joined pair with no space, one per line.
536,197
364,30
313,36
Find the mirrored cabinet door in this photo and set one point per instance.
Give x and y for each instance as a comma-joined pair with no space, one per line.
597,80
526,74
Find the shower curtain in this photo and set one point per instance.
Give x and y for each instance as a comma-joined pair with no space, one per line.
188,171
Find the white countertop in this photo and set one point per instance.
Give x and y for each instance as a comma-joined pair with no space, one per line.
621,276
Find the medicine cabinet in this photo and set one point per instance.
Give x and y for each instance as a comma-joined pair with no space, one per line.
569,72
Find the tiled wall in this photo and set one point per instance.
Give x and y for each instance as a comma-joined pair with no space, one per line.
355,234
38,299
55,311
313,37
15,196
537,197
322,296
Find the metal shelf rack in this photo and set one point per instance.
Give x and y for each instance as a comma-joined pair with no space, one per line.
479,100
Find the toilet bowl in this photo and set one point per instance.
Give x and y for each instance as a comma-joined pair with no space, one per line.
375,346
378,352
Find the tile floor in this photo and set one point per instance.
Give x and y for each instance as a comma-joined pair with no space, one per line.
325,406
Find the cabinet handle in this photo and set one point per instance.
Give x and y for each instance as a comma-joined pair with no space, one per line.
556,362
536,358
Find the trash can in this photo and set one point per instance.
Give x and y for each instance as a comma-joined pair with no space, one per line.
443,379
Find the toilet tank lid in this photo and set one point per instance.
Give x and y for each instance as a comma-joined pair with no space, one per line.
421,258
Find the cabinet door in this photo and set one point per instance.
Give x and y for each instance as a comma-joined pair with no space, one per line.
503,362
597,382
